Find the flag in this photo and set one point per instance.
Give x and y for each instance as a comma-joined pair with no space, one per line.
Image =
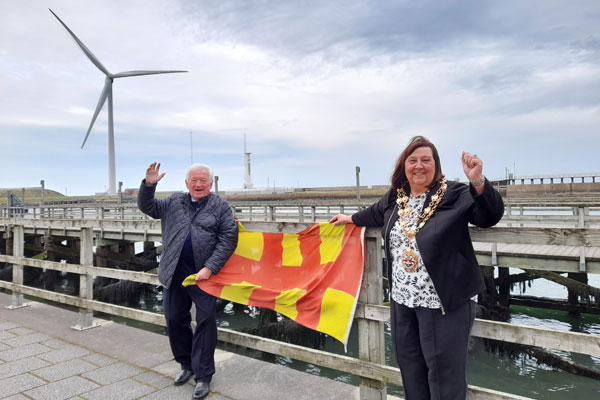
312,277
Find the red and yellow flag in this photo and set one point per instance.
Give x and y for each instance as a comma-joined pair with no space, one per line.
312,277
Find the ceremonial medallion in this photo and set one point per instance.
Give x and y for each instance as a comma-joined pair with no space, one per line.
410,260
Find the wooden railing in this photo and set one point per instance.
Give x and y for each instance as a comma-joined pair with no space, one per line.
518,212
371,313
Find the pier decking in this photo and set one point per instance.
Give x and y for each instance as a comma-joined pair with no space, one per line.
41,357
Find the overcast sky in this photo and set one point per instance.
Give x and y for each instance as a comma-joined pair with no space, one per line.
318,87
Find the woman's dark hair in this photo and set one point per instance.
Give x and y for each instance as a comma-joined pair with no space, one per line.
399,176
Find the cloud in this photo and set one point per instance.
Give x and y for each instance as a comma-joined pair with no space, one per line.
318,87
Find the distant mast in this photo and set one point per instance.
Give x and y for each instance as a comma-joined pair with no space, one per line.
247,178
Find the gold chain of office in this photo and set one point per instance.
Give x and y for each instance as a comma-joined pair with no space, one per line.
410,259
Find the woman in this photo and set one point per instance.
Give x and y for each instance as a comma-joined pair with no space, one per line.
432,269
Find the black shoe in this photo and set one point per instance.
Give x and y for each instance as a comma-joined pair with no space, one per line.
201,391
183,377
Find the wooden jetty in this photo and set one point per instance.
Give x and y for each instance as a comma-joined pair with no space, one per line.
569,242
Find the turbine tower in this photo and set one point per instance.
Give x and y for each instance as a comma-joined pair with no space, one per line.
106,94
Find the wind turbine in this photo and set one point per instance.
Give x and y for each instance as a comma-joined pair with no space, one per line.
106,94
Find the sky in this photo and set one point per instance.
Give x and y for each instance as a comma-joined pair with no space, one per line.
317,87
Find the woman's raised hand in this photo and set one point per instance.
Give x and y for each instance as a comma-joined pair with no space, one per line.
473,166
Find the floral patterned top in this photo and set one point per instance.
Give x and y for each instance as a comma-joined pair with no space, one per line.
411,289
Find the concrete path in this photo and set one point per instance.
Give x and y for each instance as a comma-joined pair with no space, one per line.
41,357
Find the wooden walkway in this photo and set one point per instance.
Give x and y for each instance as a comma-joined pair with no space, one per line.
41,357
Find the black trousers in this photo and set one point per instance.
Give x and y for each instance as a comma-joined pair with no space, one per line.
431,349
195,351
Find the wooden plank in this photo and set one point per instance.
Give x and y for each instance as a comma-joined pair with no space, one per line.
527,335
125,312
113,228
134,276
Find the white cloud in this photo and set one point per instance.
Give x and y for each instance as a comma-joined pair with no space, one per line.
345,85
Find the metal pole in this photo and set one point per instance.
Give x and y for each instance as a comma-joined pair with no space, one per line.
357,183
120,198
217,185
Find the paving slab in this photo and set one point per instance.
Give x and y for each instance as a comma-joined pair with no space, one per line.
21,366
6,335
57,372
23,340
113,373
16,397
154,379
23,352
19,383
63,389
127,389
99,359
64,354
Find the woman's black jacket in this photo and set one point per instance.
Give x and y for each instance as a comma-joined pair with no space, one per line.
444,241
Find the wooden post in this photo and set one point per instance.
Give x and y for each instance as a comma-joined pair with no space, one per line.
17,269
86,316
581,213
271,213
371,343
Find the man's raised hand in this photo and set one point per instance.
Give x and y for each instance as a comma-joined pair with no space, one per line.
152,174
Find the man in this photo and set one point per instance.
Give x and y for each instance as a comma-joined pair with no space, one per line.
199,235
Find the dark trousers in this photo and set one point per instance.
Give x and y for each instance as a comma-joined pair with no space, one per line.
431,349
194,351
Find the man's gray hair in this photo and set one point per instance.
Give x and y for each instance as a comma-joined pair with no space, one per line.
198,166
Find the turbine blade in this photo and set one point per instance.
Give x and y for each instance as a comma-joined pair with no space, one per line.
101,101
138,73
82,46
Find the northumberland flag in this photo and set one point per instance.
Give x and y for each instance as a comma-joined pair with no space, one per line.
312,277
